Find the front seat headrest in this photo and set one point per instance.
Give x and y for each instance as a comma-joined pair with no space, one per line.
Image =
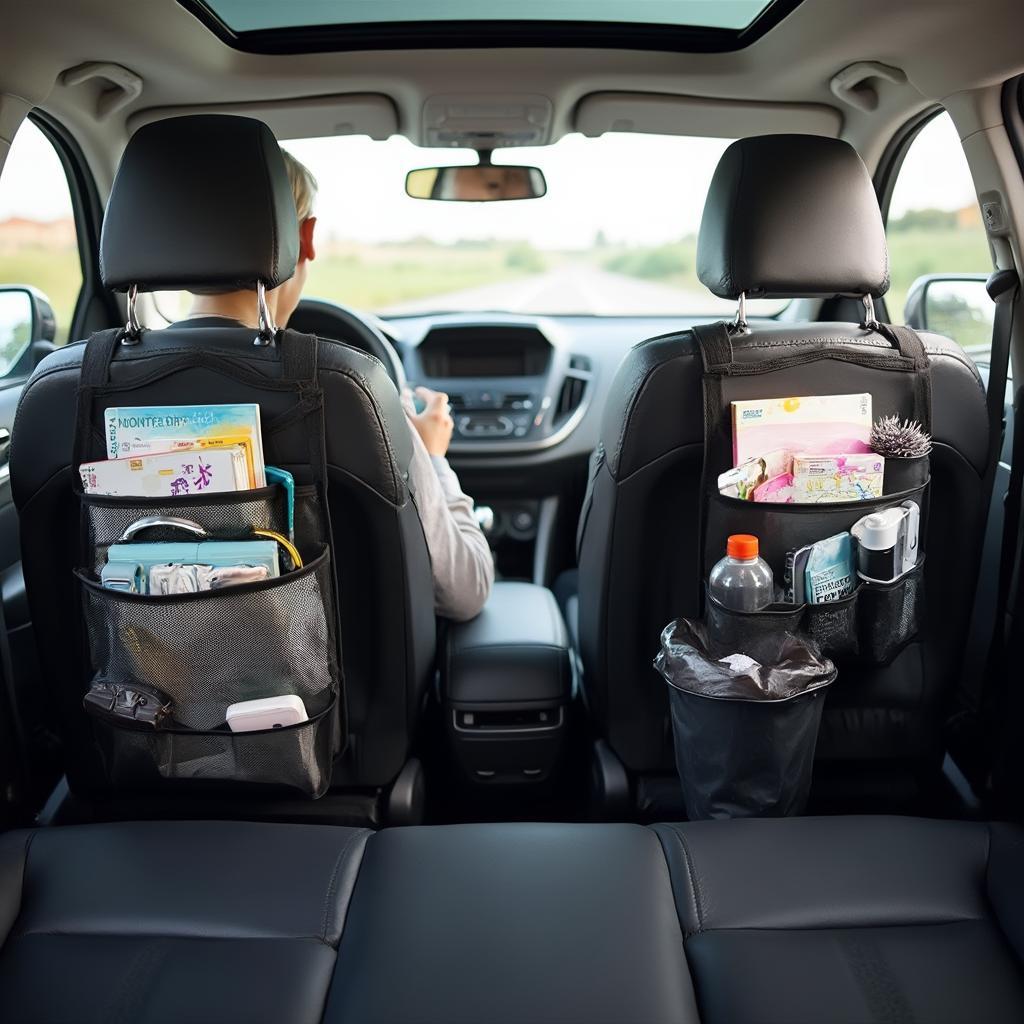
200,203
790,215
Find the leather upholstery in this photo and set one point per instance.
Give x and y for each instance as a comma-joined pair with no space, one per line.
849,920
802,921
792,215
388,628
639,558
191,921
516,649
512,923
200,202
387,621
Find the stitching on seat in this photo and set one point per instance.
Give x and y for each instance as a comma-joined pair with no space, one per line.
331,886
691,874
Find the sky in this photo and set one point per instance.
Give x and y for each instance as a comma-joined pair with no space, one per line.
637,189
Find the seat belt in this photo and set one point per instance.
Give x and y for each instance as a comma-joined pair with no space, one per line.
980,693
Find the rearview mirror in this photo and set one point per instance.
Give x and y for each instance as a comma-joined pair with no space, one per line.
956,305
483,183
26,320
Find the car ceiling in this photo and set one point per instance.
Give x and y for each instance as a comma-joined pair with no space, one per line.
781,80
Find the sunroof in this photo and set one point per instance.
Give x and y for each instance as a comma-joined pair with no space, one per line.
303,26
250,16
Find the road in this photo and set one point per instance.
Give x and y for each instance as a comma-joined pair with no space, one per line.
575,288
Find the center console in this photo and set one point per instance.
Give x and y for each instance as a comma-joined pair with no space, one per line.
506,684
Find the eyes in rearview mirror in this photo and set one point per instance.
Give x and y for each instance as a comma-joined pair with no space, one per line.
26,320
485,183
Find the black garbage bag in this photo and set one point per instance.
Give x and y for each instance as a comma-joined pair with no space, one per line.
745,730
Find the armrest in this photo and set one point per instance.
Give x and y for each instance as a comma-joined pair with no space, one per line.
516,649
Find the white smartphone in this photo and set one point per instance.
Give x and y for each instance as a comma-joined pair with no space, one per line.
267,713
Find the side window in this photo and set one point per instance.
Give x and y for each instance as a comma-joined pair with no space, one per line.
38,242
938,251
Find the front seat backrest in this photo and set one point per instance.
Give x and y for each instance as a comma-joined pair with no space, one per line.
785,216
204,203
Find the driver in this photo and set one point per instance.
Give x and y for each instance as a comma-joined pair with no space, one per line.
460,557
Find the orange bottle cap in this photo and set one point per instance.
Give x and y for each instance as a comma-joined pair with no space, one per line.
741,545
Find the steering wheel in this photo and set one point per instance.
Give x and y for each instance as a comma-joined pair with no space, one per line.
338,323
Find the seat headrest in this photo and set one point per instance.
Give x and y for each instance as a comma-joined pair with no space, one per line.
790,215
201,203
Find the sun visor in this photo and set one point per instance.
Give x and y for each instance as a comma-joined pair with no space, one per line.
303,118
663,114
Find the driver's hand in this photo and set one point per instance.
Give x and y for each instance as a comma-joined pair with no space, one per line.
435,423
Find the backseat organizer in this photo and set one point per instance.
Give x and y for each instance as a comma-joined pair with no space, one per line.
205,651
871,626
808,921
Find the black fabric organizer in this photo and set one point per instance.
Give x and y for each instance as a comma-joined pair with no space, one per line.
874,624
214,648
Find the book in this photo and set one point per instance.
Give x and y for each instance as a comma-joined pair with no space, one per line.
823,424
151,430
848,477
168,475
830,573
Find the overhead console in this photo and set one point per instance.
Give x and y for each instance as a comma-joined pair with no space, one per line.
510,388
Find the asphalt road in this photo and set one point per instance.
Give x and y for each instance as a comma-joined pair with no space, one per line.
574,289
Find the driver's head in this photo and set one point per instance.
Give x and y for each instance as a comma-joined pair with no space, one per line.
285,297
304,190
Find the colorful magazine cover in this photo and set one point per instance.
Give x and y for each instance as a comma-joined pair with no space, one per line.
149,430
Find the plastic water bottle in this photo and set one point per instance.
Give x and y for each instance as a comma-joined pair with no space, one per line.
742,581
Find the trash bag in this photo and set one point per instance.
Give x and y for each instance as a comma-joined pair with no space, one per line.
744,729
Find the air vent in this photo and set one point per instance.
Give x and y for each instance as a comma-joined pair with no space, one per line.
570,397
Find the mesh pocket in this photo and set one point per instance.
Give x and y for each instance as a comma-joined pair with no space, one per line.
298,757
833,625
234,512
889,616
212,649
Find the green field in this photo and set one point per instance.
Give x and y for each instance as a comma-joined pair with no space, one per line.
57,274
376,277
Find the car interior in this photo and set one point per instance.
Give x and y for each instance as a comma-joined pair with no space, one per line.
556,809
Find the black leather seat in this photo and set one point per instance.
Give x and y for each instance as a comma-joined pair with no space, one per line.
799,921
198,203
785,216
192,921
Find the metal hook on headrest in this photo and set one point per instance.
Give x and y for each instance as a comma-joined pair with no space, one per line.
739,324
133,328
870,323
266,326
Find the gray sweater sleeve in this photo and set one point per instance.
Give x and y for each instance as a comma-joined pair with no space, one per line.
460,557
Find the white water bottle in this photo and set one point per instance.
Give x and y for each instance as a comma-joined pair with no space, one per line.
742,581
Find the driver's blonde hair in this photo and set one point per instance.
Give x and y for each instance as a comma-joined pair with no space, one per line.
303,185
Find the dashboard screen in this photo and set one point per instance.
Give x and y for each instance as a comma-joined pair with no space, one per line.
487,364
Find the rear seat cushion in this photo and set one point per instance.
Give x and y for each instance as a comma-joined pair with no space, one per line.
177,922
851,920
509,923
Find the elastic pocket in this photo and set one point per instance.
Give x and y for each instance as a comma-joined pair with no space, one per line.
833,625
889,616
298,757
781,528
208,650
230,513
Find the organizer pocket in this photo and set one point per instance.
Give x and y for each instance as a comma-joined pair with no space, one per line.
298,756
870,626
889,616
208,650
781,528
229,513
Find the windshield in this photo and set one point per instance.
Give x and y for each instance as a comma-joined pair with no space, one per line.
615,235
